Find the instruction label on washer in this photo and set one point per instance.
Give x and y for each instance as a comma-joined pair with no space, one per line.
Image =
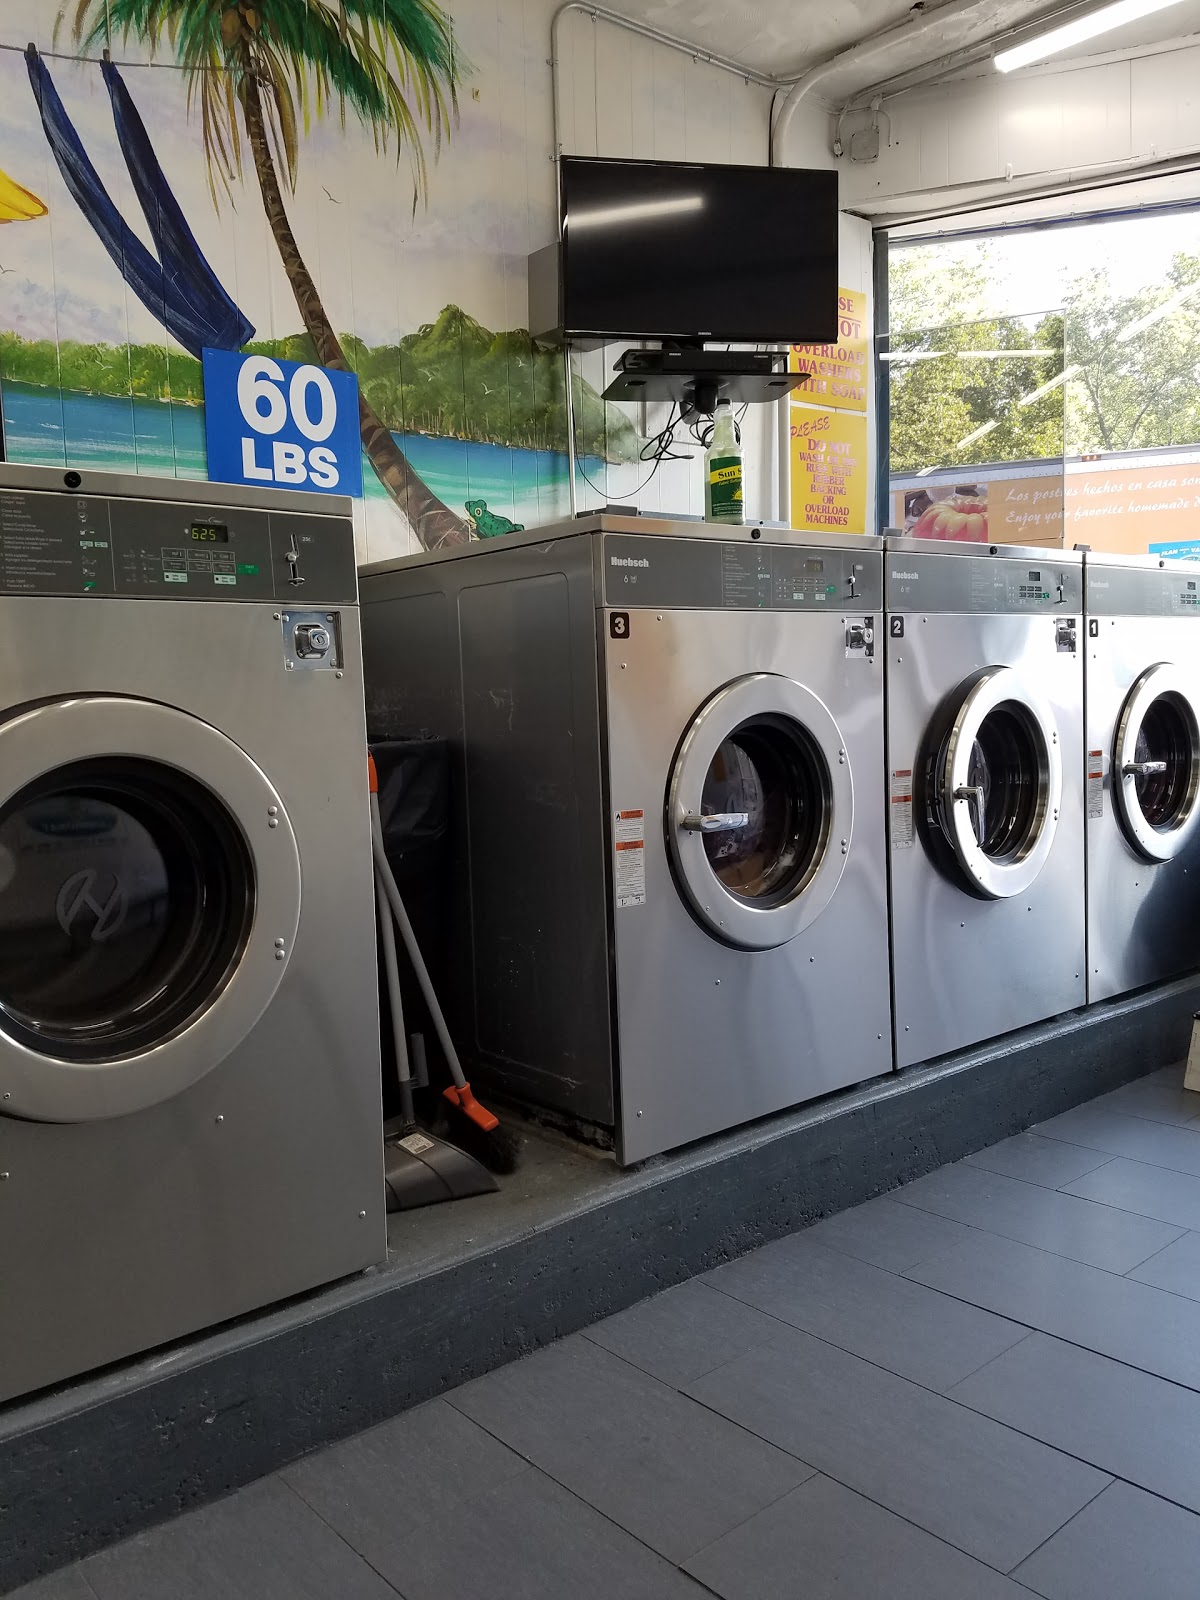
629,858
1095,783
902,808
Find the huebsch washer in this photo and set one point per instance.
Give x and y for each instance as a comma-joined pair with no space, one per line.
190,1120
985,741
670,910
1142,679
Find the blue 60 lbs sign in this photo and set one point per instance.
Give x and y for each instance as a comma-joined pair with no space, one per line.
285,423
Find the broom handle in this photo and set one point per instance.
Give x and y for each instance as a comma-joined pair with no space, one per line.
392,892
387,938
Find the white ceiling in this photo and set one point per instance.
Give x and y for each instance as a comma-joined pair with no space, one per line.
785,37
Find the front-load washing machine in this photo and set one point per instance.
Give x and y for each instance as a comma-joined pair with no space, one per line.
985,803
668,913
1142,682
190,1121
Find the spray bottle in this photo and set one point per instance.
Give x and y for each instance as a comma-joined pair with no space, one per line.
723,469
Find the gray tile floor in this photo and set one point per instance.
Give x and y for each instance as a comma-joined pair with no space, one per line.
985,1384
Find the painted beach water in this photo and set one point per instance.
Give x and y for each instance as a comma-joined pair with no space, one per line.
52,427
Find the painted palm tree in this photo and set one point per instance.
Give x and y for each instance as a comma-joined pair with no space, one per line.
281,63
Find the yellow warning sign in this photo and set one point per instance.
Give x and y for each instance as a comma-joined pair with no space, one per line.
829,471
838,373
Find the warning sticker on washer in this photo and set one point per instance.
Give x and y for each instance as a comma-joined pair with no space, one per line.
902,808
1095,783
629,858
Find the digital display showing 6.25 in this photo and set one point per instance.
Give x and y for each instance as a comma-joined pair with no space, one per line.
210,532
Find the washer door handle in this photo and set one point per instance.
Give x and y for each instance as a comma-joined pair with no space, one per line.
1143,769
715,821
976,800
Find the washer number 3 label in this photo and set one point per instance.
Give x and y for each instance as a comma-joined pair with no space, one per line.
618,624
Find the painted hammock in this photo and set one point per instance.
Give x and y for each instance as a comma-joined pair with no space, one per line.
179,288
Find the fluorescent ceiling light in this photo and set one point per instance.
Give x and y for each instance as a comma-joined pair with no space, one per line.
978,434
913,355
1000,355
1046,388
925,471
1102,20
1157,315
637,211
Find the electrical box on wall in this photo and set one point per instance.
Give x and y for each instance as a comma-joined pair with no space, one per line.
545,295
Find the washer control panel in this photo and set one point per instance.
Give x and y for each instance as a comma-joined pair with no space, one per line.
56,544
709,575
983,585
1115,591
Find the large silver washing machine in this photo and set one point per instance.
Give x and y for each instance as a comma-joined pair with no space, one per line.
1142,680
985,745
670,909
190,1118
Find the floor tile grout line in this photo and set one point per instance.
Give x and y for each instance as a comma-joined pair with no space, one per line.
794,1327
948,1394
1051,1188
1074,1343
1028,1334
1040,1130
612,1522
358,1554
915,1205
1154,1257
1066,1524
851,1488
1116,1477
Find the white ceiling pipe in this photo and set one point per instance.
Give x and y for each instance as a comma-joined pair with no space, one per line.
915,28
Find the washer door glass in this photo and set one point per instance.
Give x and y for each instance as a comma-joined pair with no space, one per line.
149,903
759,789
998,784
126,896
1156,763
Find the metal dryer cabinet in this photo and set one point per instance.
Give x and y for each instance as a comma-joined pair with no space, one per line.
669,889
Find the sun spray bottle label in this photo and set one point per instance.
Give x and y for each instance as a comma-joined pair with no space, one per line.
725,489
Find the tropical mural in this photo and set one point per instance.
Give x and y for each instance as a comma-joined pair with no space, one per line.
350,181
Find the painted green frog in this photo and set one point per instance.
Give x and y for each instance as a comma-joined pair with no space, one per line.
487,524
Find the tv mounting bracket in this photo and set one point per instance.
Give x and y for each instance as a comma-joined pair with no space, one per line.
696,379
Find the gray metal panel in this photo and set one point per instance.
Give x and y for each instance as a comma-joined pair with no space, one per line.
545,294
711,1036
766,575
76,544
264,1179
607,522
1142,587
1143,917
498,655
918,578
966,969
141,486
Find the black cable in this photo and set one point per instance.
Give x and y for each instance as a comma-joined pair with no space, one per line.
658,444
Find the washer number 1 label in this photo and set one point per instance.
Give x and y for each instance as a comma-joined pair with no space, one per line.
287,423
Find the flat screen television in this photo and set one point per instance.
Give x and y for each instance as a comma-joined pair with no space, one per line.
716,254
